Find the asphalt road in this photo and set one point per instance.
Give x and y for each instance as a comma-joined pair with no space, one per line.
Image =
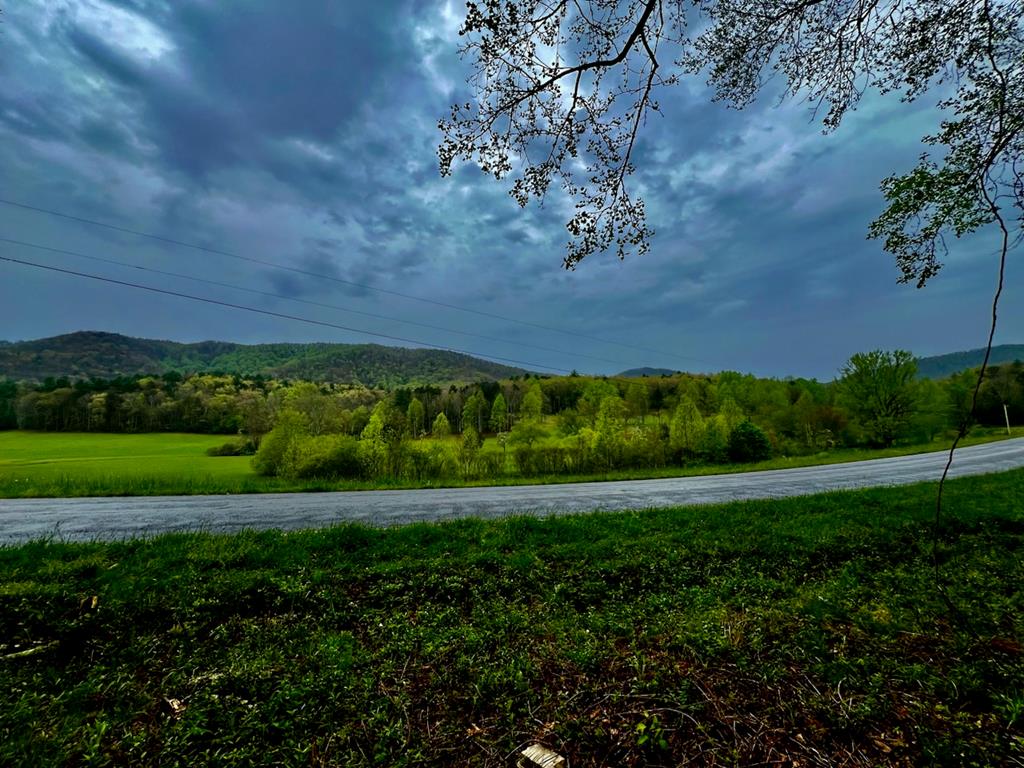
118,518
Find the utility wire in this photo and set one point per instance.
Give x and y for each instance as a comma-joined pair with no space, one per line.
269,313
332,278
271,294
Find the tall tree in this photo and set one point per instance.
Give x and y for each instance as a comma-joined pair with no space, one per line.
878,387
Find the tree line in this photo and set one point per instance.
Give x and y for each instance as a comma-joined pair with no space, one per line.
527,425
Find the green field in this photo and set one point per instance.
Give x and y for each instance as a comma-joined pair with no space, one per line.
796,632
45,463
54,464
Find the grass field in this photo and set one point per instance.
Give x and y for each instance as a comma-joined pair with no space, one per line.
803,631
52,464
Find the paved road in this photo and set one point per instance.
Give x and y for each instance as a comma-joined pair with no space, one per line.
116,518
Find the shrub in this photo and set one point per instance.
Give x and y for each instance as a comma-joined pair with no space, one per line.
490,464
570,422
270,457
748,442
714,447
323,457
240,447
442,461
535,462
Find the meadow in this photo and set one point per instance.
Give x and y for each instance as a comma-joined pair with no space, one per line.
55,464
804,631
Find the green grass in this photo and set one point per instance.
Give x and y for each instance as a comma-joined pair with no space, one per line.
802,631
38,463
55,464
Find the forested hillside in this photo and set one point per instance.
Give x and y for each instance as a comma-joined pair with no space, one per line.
941,366
92,354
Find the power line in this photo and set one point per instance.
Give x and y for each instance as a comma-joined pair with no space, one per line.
271,294
332,278
270,313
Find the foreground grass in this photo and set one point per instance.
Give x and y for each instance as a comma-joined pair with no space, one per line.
53,464
803,631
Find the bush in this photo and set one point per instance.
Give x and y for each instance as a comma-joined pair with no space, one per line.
326,457
241,447
490,464
269,459
748,443
537,462
570,422
644,447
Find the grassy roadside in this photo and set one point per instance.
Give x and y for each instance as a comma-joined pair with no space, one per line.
800,631
36,464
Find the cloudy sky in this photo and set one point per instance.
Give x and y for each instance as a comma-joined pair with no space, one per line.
305,135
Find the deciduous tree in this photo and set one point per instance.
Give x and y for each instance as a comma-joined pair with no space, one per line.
687,428
441,428
562,88
878,387
415,417
637,401
499,413
533,402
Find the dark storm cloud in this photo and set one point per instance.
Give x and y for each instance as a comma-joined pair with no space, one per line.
305,134
245,75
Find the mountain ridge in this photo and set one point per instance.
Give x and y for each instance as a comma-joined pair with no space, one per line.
636,373
101,354
941,366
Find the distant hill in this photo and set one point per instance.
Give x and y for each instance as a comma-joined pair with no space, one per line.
636,373
106,355
941,366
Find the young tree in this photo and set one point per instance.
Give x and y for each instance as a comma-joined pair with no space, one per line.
526,432
731,415
637,401
255,414
373,449
416,416
441,428
610,429
687,428
473,412
878,388
383,440
533,402
593,395
471,439
499,413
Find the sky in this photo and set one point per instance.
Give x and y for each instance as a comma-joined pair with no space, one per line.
305,135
